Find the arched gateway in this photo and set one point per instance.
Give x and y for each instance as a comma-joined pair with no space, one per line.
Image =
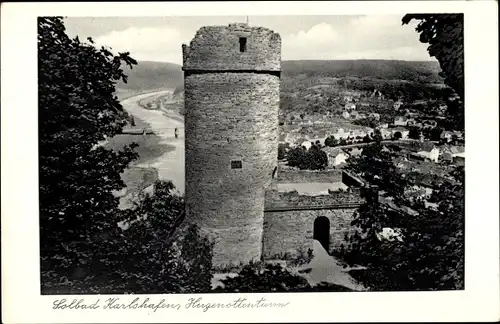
321,231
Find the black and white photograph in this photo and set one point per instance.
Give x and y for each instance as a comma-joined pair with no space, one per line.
237,163
251,154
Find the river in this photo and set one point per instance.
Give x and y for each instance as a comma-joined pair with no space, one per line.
170,165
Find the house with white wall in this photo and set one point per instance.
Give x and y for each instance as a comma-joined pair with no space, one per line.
400,121
336,156
432,155
350,106
397,105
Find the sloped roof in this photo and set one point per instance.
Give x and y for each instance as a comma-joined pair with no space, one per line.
332,150
356,151
427,146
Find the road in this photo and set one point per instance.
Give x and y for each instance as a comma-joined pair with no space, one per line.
171,164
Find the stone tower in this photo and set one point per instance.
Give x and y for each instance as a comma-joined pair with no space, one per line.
231,83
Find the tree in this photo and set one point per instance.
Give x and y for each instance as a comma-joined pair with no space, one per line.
331,141
430,254
156,253
318,158
375,166
82,248
132,121
367,139
257,277
414,133
312,159
160,251
282,150
77,109
435,133
445,35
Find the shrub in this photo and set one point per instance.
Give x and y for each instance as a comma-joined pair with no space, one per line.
263,278
331,141
312,159
282,150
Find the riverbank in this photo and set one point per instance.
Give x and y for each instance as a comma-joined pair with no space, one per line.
165,153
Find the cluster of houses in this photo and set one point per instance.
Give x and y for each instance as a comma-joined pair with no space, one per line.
337,156
407,120
353,114
449,136
391,132
426,152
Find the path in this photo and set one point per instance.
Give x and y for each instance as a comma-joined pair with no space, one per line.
171,164
325,268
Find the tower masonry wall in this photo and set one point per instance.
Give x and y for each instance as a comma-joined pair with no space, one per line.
231,126
217,48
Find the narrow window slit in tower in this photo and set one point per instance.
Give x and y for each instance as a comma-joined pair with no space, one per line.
236,164
243,44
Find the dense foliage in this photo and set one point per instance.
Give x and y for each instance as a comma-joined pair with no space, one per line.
282,150
385,69
77,109
82,248
445,35
376,167
331,141
430,252
414,133
307,159
257,277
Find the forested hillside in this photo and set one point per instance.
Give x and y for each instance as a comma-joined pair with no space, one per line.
148,75
382,69
296,74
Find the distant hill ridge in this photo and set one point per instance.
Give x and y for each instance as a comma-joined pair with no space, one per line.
383,69
148,75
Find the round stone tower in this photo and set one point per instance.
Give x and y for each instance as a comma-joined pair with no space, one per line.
231,83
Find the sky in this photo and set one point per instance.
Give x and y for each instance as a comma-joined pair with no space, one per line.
303,37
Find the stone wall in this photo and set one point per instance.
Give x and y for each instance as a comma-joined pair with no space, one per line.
292,200
289,219
352,180
217,48
289,231
299,176
231,114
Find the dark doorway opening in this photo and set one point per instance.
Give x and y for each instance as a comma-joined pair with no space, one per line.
322,231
